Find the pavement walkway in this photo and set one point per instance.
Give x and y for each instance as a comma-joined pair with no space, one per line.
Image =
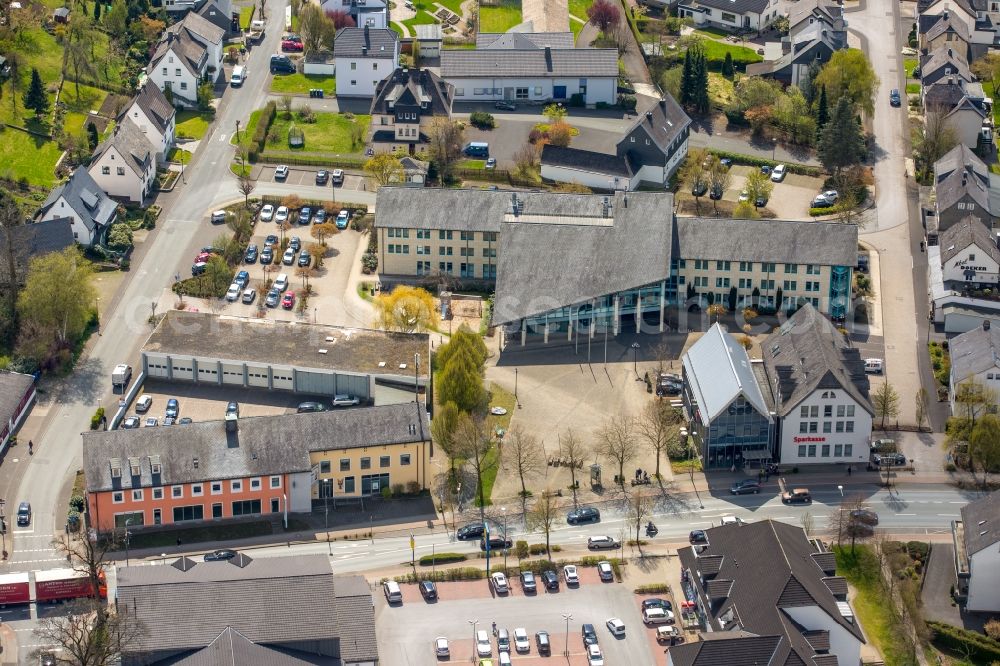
8,646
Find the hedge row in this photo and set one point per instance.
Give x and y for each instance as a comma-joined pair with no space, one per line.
316,160
441,558
976,646
750,160
263,127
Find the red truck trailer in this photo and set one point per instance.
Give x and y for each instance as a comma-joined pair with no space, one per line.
14,589
60,584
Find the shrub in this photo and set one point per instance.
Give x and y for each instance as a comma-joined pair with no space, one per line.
461,573
412,488
536,548
260,135
73,520
653,588
992,628
521,549
482,120
397,489
918,550
120,237
386,492
536,135
975,646
441,558
77,502
627,102
576,99
95,420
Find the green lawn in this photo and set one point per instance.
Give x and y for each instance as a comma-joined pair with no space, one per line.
28,156
291,84
716,51
330,133
912,88
472,164
422,18
192,125
882,627
498,398
500,18
988,89
578,8
909,64
245,16
712,32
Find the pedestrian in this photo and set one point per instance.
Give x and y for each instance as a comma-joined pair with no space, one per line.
494,628
178,542
848,470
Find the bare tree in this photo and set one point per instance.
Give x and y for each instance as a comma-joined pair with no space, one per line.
658,425
474,442
852,520
923,406
444,429
574,451
720,178
446,138
10,217
286,106
89,633
246,186
87,555
640,507
523,452
616,440
318,30
806,520
543,516
697,175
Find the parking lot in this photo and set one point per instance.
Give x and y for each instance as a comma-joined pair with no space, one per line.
790,199
305,177
406,632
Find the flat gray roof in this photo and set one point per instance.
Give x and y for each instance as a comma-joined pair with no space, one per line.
292,344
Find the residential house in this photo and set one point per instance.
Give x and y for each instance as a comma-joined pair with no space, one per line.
366,13
124,165
82,200
976,538
429,39
188,53
17,395
414,171
975,359
768,594
947,29
817,30
970,257
30,241
962,107
364,57
649,152
220,14
734,15
980,18
227,469
942,64
272,611
155,116
731,423
531,68
404,104
961,190
820,391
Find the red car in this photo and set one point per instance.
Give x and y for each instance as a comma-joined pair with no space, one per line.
288,302
203,257
291,43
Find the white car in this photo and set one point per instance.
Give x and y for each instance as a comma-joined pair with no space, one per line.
744,196
282,214
668,633
484,648
289,257
616,626
344,400
657,615
151,421
143,403
594,656
441,647
503,659
249,295
267,213
234,292
570,574
521,641
779,172
280,172
337,176
499,581
605,571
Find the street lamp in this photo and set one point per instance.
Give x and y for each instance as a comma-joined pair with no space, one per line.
635,359
99,315
567,617
237,132
774,147
416,378
128,522
475,626
841,489
503,510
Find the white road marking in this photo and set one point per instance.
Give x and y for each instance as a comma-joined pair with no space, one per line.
948,515
222,137
906,514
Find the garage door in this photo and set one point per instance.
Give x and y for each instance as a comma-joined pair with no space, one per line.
559,92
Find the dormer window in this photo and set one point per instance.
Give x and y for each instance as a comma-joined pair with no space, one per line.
155,468
136,471
116,472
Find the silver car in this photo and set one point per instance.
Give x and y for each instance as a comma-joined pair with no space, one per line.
234,292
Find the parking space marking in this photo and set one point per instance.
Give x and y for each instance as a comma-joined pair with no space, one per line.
222,137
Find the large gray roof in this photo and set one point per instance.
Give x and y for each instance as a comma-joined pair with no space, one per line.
970,230
202,28
271,601
13,387
347,350
601,250
365,43
807,353
507,63
524,40
960,157
414,88
468,210
771,569
946,56
974,351
29,241
231,648
981,520
779,241
154,105
82,193
132,144
727,649
829,11
734,6
585,160
718,370
187,44
260,446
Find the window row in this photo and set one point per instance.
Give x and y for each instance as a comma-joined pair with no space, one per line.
364,463
812,411
747,266
807,427
197,489
839,450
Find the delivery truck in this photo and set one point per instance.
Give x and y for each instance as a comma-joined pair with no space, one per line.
62,584
121,375
14,589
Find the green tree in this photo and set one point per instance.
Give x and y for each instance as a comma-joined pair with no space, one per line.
555,113
822,112
744,210
217,274
97,12
841,144
848,74
885,400
35,97
701,101
687,81
696,175
384,168
120,237
984,445
205,94
116,20
463,339
405,309
55,305
461,382
92,137
758,186
727,66
443,429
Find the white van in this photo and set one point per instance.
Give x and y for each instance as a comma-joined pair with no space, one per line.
238,76
392,592
218,217
281,282
873,365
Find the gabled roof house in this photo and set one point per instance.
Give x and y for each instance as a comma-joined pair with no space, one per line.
155,116
977,554
80,199
124,165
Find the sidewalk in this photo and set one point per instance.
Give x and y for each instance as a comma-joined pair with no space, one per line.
8,646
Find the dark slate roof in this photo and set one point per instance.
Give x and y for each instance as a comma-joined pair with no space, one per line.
211,13
945,56
188,39
507,63
86,198
808,354
154,105
724,650
779,241
981,520
771,568
231,647
837,586
132,144
973,352
944,24
13,387
954,184
469,210
961,157
585,160
734,6
414,87
202,28
352,350
365,43
524,40
662,122
34,240
827,11
818,639
260,446
602,249
970,230
270,601
826,561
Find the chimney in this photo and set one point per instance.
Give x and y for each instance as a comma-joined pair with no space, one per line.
366,34
945,15
548,58
607,206
949,52
649,116
986,324
663,105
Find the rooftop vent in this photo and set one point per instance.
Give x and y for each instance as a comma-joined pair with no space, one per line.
231,422
322,351
195,462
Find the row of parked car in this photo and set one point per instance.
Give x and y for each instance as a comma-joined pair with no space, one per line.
303,216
